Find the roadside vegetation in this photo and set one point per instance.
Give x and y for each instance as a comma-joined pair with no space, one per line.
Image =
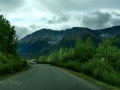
101,63
10,61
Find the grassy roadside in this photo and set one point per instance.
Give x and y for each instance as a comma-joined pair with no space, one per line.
91,80
9,75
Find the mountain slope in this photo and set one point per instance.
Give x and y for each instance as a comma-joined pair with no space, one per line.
45,41
70,38
107,32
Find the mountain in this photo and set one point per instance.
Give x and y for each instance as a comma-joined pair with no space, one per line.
46,41
39,40
107,32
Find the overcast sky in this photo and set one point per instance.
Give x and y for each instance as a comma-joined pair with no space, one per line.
31,15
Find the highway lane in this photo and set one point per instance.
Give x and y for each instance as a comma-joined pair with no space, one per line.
46,77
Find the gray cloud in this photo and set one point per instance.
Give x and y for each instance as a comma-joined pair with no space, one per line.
115,14
66,6
34,27
10,5
66,27
21,31
53,21
93,20
115,21
37,14
96,20
50,22
62,18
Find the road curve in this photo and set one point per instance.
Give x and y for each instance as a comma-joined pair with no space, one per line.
46,77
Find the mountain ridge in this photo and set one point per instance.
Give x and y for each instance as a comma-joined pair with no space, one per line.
46,39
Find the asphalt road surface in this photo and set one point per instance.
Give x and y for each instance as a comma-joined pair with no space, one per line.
46,77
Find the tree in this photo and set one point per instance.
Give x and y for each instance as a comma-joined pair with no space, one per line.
84,51
109,52
8,38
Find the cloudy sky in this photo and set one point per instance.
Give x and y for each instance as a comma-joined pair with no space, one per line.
31,15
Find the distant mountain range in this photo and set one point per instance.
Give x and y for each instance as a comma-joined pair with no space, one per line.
45,41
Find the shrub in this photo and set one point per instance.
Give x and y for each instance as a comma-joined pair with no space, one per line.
9,66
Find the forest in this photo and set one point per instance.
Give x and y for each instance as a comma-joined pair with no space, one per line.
10,61
101,63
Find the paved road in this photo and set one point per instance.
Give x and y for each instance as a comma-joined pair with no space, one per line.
45,77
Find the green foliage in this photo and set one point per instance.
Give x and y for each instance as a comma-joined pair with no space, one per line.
55,57
67,54
43,59
9,59
101,70
8,38
84,51
9,66
109,52
102,63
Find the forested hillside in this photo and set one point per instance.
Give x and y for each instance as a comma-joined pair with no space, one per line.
101,63
45,41
9,59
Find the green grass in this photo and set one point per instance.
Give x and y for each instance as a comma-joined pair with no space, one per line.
9,75
91,80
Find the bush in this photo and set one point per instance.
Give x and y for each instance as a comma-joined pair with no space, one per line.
111,78
101,70
102,62
9,66
7,69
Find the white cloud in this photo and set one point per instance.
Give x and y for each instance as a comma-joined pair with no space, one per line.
60,14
